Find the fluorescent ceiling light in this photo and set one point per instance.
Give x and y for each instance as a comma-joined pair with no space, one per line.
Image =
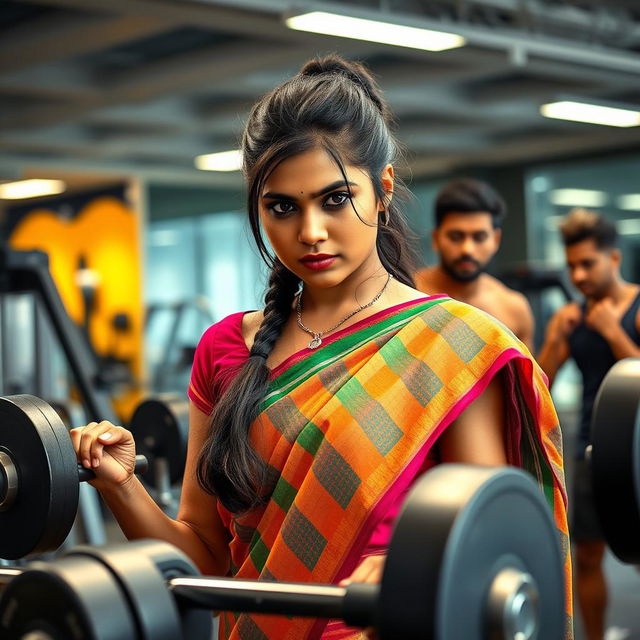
630,227
577,197
223,161
30,189
333,24
629,202
591,113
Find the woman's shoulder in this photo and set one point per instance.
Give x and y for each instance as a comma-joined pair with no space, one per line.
227,332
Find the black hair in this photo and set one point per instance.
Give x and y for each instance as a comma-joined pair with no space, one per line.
582,224
467,195
335,105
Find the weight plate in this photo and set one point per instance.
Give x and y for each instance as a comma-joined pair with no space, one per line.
68,598
64,411
47,498
615,458
153,608
161,429
460,527
66,489
197,624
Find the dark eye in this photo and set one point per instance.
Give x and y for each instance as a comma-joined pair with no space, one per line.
281,208
337,199
481,236
455,236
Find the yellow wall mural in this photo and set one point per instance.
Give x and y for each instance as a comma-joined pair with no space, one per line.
105,233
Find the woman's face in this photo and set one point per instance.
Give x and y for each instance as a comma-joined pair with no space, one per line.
308,216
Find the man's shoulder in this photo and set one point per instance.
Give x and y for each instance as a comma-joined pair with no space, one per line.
423,278
505,295
425,272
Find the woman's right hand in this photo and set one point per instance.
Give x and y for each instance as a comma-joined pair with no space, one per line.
108,450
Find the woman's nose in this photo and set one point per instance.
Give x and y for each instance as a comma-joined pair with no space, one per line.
312,228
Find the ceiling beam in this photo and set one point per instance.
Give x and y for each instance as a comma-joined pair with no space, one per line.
528,148
159,79
46,39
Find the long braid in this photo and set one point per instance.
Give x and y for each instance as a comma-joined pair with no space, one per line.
229,466
282,287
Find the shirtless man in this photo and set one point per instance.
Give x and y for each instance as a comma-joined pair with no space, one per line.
603,328
468,218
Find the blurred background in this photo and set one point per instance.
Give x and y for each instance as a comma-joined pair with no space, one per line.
111,113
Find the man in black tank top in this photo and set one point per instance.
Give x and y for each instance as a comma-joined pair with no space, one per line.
602,330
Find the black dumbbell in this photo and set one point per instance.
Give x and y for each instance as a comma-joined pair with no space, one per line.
474,554
39,476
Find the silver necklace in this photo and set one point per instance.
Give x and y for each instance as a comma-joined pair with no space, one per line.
316,339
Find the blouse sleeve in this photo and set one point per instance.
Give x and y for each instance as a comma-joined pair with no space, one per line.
200,389
219,356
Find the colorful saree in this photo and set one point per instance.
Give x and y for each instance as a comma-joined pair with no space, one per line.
345,429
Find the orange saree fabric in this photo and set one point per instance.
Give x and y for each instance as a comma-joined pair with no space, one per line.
345,429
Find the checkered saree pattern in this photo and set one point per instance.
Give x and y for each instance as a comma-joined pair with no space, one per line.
342,423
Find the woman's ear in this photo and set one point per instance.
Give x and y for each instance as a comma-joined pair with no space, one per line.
386,178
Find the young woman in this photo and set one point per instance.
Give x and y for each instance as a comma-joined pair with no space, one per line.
311,418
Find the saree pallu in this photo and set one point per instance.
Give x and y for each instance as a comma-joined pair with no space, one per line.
345,429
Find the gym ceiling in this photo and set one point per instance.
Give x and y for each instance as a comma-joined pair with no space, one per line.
142,87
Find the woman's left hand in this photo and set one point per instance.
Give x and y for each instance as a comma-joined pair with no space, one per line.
369,570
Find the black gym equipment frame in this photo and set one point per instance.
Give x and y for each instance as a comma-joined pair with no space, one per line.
28,272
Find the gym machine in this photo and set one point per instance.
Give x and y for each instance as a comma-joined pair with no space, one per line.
174,359
27,272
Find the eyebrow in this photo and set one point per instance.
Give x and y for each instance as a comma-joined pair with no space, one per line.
331,187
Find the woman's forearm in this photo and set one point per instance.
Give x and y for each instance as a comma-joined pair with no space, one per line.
140,517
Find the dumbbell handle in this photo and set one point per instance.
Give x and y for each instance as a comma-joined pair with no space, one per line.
9,483
8,473
356,604
141,465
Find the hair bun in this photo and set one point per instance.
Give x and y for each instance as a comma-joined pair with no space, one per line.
328,64
355,71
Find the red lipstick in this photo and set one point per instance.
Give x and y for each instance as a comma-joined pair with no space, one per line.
318,261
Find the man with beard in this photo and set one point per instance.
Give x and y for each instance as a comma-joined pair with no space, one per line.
468,220
604,328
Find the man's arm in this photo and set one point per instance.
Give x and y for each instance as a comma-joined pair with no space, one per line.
526,325
555,349
603,319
